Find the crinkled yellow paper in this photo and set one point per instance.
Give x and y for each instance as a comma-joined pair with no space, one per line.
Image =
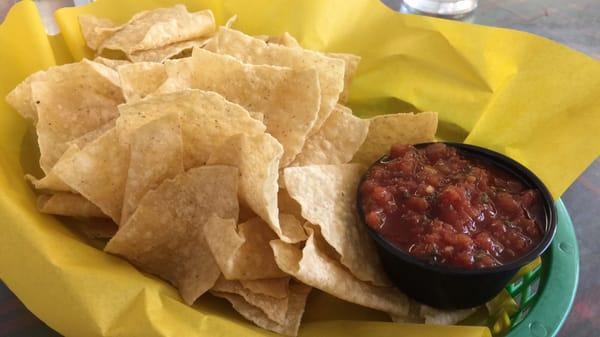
516,93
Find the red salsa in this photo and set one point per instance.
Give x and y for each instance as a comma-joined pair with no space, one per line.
444,208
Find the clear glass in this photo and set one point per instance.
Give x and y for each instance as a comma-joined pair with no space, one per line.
444,8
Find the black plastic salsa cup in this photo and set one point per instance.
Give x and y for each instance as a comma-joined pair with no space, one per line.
448,287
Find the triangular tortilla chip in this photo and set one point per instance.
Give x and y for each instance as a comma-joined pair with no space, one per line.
141,79
297,302
98,172
288,99
111,63
160,27
401,128
272,287
243,254
257,157
156,154
255,51
315,268
68,204
336,142
207,120
71,100
351,62
327,196
96,30
164,236
20,97
274,308
166,52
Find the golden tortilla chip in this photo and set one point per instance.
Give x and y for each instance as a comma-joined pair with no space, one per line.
207,120
68,204
51,181
297,302
257,157
160,27
413,316
111,63
351,62
98,172
444,317
272,287
327,196
336,142
91,136
166,52
400,128
274,308
71,100
141,79
288,99
243,254
255,51
96,30
292,228
156,154
315,268
285,39
20,97
164,236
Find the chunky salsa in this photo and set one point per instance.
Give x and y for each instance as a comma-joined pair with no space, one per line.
444,208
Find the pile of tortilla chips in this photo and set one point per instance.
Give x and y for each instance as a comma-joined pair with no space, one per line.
221,162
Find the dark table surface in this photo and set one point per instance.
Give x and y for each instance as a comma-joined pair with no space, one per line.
575,23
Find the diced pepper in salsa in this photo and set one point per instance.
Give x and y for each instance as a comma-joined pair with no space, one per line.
444,208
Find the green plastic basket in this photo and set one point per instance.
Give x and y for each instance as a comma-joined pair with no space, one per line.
539,298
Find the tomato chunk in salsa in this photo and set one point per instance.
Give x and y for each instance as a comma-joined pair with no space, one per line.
444,208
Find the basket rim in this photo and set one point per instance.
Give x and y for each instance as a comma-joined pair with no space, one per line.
558,282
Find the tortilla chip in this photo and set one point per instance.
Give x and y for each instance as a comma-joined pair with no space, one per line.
91,136
257,157
166,52
288,99
327,196
141,79
255,51
272,287
413,316
96,30
292,228
160,27
98,172
297,302
156,154
68,204
207,120
243,254
315,268
20,97
111,63
400,128
285,39
51,181
351,62
336,142
274,308
444,317
71,100
164,236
